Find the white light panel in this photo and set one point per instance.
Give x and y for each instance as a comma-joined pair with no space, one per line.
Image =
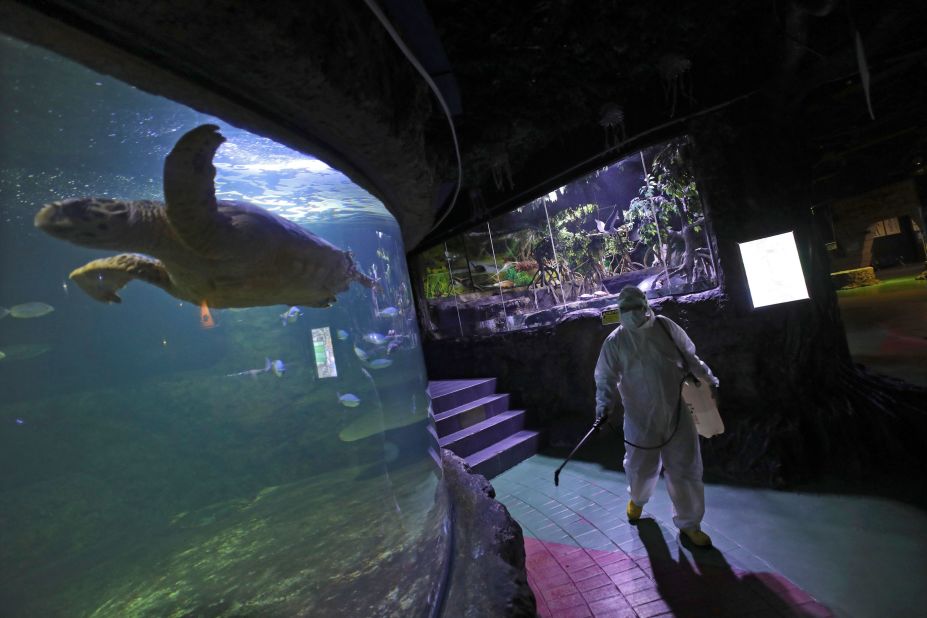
774,271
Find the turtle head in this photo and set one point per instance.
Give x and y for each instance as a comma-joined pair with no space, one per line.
91,222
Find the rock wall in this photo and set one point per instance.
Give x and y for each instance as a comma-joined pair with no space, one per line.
488,576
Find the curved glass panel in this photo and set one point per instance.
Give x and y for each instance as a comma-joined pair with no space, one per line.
164,459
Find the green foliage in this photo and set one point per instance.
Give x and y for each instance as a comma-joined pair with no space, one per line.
519,278
520,245
438,284
669,194
571,235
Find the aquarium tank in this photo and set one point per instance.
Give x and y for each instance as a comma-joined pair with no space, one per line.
639,221
161,457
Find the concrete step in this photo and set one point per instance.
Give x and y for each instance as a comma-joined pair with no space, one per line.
484,433
448,394
470,413
501,456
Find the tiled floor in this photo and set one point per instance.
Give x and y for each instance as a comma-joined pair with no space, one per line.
775,553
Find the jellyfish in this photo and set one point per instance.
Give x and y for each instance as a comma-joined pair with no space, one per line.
501,169
673,71
611,118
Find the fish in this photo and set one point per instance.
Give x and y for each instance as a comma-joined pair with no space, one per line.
348,400
278,367
31,310
375,338
206,320
290,315
4,312
360,353
341,334
600,293
64,287
389,312
25,351
2,355
252,372
20,421
380,363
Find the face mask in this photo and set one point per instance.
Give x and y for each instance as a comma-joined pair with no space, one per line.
634,318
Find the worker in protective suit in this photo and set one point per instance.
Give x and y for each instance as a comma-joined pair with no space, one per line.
645,361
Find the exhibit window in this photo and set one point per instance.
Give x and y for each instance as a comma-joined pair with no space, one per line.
638,221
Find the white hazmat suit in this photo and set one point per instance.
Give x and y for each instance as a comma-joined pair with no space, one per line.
639,361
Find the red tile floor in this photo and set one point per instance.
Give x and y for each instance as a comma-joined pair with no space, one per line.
574,582
585,559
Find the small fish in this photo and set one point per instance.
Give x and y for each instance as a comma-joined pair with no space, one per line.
20,421
341,334
600,293
389,312
2,355
30,310
290,315
64,287
380,363
206,320
375,338
360,353
348,400
254,373
25,351
4,312
278,367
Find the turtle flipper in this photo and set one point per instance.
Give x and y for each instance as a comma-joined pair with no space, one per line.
100,279
189,187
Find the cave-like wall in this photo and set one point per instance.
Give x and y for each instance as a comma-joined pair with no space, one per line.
792,401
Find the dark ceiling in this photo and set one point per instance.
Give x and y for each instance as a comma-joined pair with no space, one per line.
533,78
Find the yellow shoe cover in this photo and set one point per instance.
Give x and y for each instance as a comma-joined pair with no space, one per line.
698,538
634,511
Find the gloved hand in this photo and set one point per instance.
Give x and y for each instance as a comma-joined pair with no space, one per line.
600,417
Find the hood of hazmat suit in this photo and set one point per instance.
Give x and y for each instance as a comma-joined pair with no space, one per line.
642,363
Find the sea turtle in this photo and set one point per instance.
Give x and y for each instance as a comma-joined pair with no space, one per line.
221,253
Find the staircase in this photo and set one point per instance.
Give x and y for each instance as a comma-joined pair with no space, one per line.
475,423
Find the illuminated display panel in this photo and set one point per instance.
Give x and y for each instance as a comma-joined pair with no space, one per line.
324,353
774,271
